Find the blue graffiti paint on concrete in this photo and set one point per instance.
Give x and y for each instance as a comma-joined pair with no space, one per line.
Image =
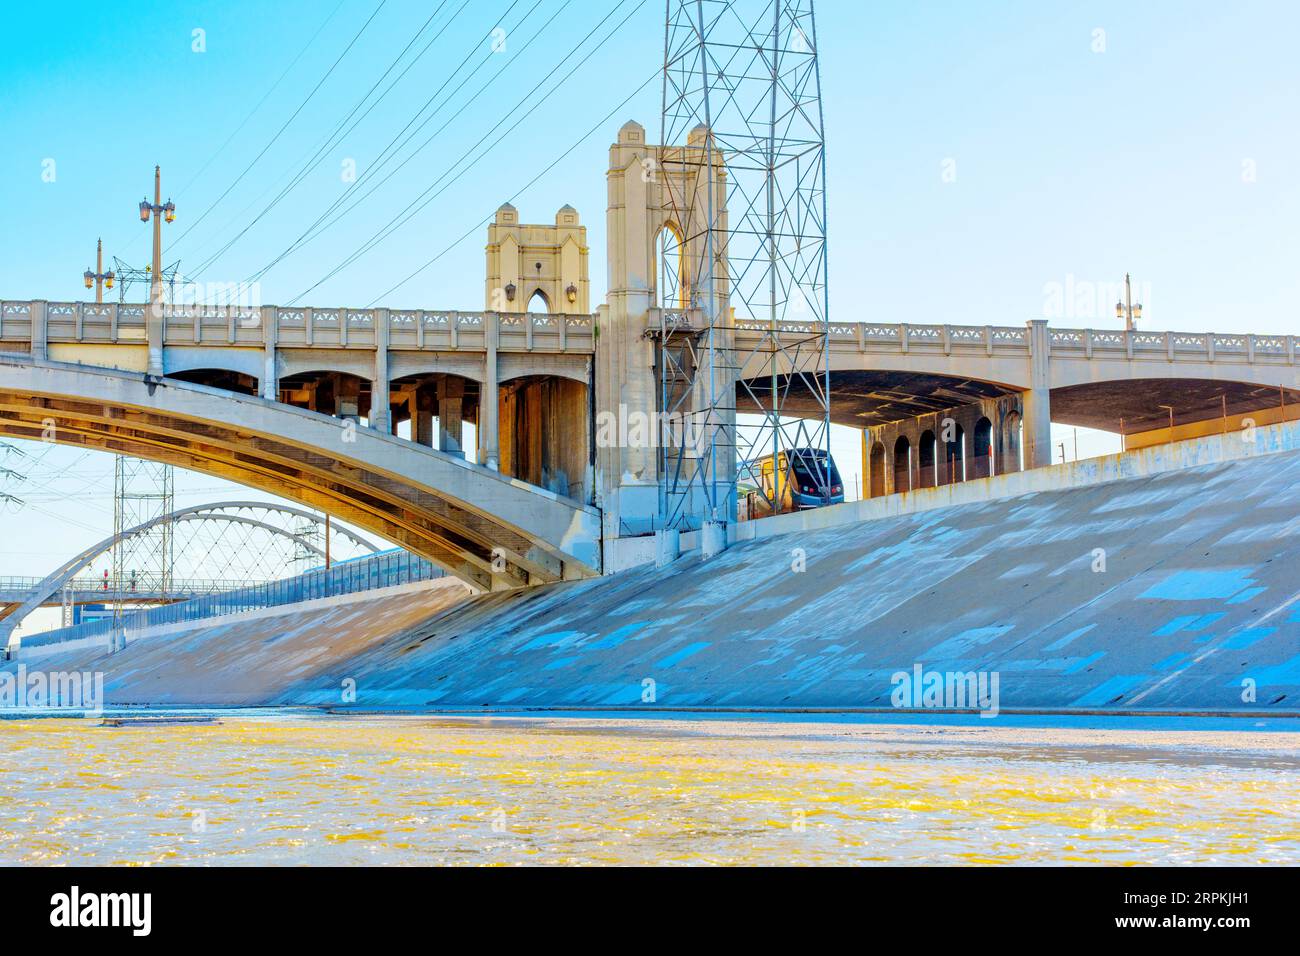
1248,637
1108,690
1085,662
1077,632
684,653
1285,673
1200,585
553,639
967,639
1189,622
617,636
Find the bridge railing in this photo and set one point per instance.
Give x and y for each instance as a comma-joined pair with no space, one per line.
433,330
872,336
1172,345
177,587
386,569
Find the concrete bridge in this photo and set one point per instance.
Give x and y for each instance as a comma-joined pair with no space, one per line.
307,402
488,529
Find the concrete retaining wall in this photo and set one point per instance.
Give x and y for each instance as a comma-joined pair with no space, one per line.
1175,589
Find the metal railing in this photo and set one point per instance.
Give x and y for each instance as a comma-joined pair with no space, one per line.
383,570
176,587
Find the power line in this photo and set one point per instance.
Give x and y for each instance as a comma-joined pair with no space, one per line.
529,185
265,97
423,200
251,113
336,136
387,153
285,125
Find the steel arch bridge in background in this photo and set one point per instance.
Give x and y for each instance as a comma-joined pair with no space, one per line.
18,599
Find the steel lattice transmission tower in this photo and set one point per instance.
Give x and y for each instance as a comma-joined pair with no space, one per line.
742,88
142,491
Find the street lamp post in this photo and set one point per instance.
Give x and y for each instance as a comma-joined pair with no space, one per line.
1126,310
99,278
159,212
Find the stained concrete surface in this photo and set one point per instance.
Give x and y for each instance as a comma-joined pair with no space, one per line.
1198,592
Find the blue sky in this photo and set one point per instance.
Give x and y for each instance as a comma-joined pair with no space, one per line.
1167,145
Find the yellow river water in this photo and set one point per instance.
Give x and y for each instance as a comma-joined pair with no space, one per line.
404,790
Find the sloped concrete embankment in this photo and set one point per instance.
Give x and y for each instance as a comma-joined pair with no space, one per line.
1177,590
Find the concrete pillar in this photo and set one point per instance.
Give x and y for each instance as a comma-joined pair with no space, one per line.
347,398
968,442
889,464
451,396
668,546
381,414
421,424
914,436
713,538
864,482
1038,399
155,333
270,384
40,331
489,409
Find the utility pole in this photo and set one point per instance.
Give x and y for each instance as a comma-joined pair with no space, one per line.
159,212
1126,310
99,278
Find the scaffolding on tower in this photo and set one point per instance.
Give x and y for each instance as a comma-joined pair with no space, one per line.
741,87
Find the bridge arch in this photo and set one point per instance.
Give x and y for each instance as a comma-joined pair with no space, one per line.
981,463
867,396
902,464
328,391
954,455
292,362
927,472
436,405
545,433
1012,458
876,471
481,526
12,616
1142,404
224,379
182,359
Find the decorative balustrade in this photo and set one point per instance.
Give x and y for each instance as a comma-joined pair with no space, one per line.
874,337
443,330
188,325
